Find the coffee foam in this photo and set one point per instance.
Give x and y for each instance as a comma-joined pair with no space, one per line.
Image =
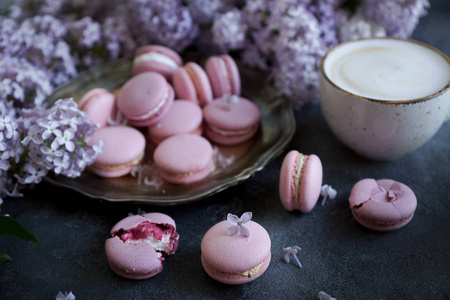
387,69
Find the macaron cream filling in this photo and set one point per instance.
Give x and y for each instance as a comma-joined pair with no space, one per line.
298,173
107,167
231,133
155,56
253,271
161,237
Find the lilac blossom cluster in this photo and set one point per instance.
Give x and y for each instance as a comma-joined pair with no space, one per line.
42,140
45,43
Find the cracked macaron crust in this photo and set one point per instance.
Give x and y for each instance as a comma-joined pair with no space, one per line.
100,105
140,243
235,259
382,205
191,83
123,149
223,75
156,58
145,98
184,158
300,181
231,120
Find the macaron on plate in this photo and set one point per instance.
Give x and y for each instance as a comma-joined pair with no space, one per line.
275,128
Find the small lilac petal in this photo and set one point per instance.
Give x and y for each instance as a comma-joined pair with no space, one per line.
243,231
287,257
233,230
247,216
233,219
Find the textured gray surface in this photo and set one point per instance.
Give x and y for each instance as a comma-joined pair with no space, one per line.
339,256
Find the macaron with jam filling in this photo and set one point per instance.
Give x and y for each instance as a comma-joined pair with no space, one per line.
123,149
155,58
300,181
139,244
145,98
231,120
236,251
224,75
191,83
184,158
382,205
183,117
99,105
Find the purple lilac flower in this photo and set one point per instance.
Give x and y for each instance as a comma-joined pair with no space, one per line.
398,17
21,83
290,38
85,39
292,252
229,31
56,139
117,37
166,23
39,40
238,224
351,27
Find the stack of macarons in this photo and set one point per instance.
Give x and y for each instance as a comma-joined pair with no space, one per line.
179,109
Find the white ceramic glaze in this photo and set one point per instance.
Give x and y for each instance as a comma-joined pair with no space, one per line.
380,129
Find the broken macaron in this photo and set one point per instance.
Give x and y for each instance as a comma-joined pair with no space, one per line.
140,243
382,205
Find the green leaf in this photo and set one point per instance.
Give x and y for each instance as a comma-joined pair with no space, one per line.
10,226
4,257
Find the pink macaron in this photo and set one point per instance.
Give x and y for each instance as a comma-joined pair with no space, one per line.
155,58
145,98
224,75
300,181
184,158
191,83
183,117
235,259
231,120
139,244
123,149
99,105
382,205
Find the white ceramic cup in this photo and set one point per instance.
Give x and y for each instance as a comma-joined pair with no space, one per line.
403,101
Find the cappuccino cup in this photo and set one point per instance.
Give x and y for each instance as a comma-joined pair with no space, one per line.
384,97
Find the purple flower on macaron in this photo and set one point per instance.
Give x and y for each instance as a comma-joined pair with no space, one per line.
237,223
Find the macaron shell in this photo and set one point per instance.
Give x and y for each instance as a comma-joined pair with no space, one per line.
99,104
373,209
142,94
223,75
183,117
286,184
234,124
191,83
154,65
233,278
310,183
133,261
122,146
187,156
234,254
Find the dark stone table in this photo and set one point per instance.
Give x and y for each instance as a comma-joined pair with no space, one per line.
338,255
